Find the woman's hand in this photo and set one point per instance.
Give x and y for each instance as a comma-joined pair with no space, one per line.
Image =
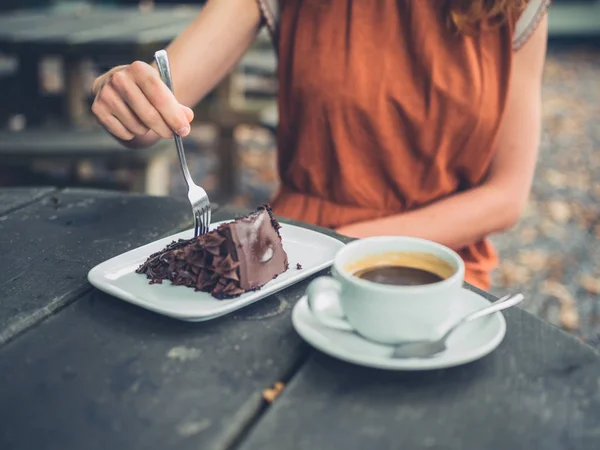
132,101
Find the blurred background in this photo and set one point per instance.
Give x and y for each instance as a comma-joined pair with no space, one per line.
51,50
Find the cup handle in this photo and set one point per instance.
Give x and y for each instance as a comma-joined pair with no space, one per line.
324,289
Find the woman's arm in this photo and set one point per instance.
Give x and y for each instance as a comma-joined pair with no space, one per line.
135,106
497,204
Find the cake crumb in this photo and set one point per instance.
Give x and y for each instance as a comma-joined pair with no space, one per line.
299,266
271,394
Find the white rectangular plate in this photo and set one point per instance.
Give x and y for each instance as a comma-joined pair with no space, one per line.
312,250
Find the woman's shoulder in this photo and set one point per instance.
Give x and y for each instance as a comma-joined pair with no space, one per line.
528,21
270,10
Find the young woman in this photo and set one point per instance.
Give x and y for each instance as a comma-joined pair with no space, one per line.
397,117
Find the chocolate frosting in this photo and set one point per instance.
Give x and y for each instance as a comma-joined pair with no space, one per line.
208,263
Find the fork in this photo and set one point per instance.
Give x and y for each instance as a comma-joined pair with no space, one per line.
197,196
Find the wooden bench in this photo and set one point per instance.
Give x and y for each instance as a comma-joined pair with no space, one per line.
78,147
111,36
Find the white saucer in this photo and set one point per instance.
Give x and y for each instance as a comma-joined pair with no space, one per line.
468,343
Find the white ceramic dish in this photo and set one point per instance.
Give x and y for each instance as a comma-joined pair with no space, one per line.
312,250
468,343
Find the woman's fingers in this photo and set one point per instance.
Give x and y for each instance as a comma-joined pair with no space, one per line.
189,113
139,103
133,100
123,112
114,126
160,97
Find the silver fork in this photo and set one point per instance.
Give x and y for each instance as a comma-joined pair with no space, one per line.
196,195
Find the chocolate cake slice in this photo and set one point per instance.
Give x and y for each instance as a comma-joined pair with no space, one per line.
237,257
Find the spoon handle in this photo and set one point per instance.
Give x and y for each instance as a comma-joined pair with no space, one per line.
500,304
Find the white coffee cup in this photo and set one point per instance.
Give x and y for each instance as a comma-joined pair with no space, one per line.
389,313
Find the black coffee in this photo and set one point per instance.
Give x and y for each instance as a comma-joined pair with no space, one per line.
398,275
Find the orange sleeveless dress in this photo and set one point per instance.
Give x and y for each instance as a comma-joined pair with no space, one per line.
383,110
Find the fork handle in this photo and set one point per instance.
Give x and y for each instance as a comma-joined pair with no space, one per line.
182,161
162,63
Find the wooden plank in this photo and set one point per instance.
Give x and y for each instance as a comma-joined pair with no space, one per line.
48,247
79,143
17,20
150,35
39,141
136,23
60,26
539,389
12,199
105,374
95,24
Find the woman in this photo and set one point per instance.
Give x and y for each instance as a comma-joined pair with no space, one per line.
408,117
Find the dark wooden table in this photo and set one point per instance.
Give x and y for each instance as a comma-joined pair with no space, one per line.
81,370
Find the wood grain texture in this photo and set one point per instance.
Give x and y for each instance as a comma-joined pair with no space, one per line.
106,374
73,29
14,198
69,143
539,389
102,373
48,247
